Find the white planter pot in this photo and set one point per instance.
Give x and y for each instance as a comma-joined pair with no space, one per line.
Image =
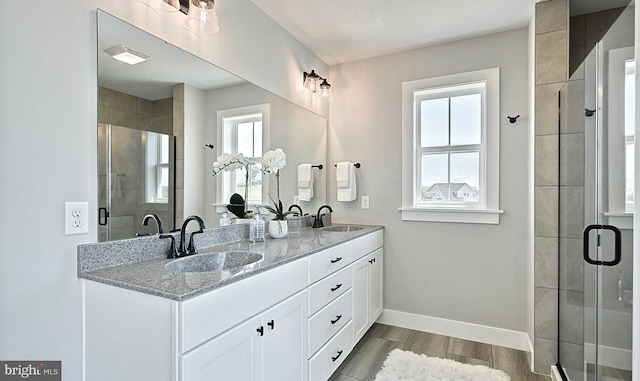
278,228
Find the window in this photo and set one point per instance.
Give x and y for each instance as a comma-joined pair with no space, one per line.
629,132
157,167
242,132
450,148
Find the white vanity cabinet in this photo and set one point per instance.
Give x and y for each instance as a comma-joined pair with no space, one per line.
271,346
295,322
367,291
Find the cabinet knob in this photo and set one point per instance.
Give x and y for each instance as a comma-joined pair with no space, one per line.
336,287
271,324
337,356
336,260
336,319
260,330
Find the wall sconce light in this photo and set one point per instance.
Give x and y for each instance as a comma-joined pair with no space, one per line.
202,17
316,84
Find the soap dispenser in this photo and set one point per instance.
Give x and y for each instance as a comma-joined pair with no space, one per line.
256,227
224,219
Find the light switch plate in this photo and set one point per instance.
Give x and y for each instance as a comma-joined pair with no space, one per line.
365,202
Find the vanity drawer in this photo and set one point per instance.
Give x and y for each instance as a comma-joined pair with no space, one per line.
328,359
324,324
326,290
368,243
329,261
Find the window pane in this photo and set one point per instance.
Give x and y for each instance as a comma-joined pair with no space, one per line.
164,149
629,178
257,135
466,119
245,139
434,122
629,97
435,172
465,176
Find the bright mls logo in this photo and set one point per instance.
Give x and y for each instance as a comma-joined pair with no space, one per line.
31,370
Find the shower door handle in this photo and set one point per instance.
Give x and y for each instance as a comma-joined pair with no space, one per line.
103,216
617,245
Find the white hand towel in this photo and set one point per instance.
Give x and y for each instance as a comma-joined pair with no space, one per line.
349,193
304,176
342,174
305,182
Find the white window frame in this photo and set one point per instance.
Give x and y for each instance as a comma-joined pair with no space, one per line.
154,166
264,111
486,212
619,213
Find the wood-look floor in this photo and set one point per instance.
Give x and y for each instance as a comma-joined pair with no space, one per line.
367,357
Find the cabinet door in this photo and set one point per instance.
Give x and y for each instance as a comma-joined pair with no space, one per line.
234,355
284,341
360,291
376,276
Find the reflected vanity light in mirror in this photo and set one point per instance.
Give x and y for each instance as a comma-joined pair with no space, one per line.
202,17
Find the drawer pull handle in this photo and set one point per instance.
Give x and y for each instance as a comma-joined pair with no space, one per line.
271,324
336,320
337,356
336,260
260,330
336,287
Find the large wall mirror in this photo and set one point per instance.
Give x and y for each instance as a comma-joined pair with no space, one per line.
157,121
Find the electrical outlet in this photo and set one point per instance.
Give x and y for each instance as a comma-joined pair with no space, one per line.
365,202
296,200
76,217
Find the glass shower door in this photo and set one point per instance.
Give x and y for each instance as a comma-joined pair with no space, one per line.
596,198
136,178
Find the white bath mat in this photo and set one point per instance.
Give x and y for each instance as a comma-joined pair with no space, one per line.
407,366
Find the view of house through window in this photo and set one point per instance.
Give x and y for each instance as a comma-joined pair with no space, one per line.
157,167
243,134
449,125
629,131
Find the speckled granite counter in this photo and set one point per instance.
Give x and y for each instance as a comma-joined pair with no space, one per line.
139,264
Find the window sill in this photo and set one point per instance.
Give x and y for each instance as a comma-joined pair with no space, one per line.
465,216
620,220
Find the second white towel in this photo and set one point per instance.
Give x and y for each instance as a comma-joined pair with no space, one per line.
305,182
346,181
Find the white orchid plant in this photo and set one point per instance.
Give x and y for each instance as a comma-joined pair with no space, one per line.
273,162
230,162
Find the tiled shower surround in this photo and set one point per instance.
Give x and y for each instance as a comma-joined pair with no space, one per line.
560,178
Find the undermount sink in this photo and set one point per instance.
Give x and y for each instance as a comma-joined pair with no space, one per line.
213,261
342,228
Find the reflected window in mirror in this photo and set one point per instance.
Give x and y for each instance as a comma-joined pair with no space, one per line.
242,132
157,167
629,132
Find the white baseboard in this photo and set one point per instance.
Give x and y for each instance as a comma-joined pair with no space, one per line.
468,331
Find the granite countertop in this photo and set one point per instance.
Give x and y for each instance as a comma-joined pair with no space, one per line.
151,277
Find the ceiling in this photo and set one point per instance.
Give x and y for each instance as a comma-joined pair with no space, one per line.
340,31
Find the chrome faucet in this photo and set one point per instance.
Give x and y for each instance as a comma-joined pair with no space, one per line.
320,219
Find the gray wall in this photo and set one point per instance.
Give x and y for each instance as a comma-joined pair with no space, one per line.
464,272
48,114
